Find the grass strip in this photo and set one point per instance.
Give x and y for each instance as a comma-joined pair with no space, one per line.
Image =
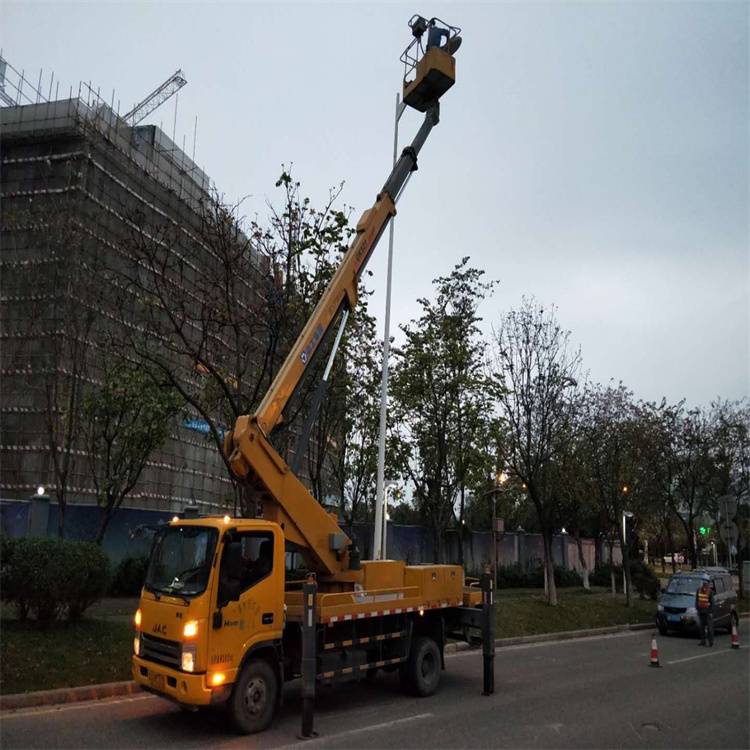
88,652
529,613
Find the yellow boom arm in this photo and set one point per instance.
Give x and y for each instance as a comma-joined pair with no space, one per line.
252,457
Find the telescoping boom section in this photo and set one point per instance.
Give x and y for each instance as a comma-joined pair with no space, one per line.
429,73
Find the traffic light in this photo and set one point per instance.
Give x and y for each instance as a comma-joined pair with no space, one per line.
704,530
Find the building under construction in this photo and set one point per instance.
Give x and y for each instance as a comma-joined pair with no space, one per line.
74,174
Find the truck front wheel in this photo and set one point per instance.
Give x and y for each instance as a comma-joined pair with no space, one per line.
253,700
420,673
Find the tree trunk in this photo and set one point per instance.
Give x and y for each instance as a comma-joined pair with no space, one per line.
670,540
549,567
628,583
61,507
582,560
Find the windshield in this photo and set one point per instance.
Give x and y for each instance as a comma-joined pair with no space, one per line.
684,586
181,560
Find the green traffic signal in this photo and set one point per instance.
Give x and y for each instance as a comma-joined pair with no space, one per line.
702,530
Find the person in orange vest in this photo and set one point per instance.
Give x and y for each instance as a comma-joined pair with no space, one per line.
704,603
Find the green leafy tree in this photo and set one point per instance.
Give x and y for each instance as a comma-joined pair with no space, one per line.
619,438
442,400
125,418
353,453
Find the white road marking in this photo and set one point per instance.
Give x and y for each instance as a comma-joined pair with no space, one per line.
370,728
701,656
519,646
17,713
635,731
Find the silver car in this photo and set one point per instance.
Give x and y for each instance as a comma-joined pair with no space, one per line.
676,609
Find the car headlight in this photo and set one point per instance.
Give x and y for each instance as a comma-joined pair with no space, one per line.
187,662
691,610
659,607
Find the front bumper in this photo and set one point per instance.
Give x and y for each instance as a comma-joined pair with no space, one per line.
188,690
680,621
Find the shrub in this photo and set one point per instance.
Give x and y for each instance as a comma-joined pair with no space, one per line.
54,578
601,575
514,576
645,585
129,576
638,567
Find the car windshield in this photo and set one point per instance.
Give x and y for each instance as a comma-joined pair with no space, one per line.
684,585
181,560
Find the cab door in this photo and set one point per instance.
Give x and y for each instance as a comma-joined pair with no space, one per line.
249,604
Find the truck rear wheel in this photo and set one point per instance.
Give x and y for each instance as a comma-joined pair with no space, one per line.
253,700
420,673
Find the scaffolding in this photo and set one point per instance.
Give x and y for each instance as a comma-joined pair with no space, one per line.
78,158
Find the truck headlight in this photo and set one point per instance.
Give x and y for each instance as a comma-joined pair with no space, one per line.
187,662
137,644
691,611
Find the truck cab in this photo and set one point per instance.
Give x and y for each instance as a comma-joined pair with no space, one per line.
213,594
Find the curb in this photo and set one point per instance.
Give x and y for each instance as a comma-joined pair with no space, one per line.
567,635
67,695
114,689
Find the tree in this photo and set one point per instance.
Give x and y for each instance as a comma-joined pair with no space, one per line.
353,447
694,473
125,418
442,400
619,438
535,367
219,302
731,430
578,505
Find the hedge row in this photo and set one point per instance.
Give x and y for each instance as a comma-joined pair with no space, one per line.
515,576
52,579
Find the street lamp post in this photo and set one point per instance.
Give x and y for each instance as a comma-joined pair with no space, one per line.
502,478
377,544
384,531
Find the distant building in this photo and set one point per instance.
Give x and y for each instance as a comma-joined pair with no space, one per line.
81,161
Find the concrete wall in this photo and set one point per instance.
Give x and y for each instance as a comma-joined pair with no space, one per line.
414,544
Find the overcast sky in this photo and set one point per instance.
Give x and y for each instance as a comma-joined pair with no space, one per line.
593,155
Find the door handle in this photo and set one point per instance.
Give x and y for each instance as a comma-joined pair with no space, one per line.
267,618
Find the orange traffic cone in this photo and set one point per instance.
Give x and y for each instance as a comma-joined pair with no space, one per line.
654,652
735,637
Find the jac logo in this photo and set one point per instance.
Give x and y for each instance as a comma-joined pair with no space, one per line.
160,629
361,252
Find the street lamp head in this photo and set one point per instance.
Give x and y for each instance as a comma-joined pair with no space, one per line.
625,489
502,478
40,491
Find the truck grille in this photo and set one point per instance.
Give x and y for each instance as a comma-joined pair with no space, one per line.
161,651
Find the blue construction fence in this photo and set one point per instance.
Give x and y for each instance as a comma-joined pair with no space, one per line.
413,544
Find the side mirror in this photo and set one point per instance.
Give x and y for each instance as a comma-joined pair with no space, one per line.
663,590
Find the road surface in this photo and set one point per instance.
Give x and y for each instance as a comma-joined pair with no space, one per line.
597,692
